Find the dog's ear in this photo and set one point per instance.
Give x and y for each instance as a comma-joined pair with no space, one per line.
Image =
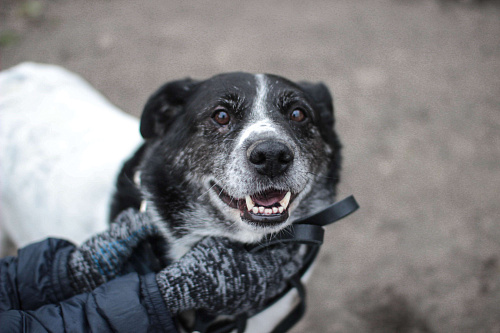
323,101
321,96
167,102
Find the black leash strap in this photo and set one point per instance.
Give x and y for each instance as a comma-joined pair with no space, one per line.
333,213
308,231
205,323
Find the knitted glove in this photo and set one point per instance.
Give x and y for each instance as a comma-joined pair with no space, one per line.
101,257
222,277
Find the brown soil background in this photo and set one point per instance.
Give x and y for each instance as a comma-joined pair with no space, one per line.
417,96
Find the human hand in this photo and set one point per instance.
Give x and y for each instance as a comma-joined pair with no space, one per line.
222,277
102,257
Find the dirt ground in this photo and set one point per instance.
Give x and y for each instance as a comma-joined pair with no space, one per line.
417,96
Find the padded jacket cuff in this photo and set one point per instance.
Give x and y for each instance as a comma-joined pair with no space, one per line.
159,314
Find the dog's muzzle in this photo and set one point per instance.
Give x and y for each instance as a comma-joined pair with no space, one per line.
270,159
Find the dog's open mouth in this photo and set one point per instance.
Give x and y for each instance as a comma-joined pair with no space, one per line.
264,209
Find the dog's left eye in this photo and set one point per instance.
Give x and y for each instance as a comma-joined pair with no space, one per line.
298,115
221,117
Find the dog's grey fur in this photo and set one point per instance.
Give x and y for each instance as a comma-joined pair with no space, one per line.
189,162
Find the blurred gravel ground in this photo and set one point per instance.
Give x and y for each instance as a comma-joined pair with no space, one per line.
417,93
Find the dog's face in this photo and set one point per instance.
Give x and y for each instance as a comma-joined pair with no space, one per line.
238,155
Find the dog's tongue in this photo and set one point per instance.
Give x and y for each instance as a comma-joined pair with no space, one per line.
268,198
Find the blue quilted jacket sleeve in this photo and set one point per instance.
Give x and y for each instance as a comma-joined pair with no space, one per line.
35,297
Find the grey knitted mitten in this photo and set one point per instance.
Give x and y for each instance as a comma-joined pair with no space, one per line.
101,257
222,277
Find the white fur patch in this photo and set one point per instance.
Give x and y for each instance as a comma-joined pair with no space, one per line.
261,122
259,105
256,128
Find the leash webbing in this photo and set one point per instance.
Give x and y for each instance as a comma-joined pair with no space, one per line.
308,231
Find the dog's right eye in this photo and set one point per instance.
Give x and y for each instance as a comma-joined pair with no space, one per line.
298,115
221,117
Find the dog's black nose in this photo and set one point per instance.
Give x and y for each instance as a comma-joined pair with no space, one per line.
270,158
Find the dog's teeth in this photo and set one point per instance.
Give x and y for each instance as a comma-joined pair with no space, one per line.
281,209
261,209
255,210
250,203
275,210
268,211
286,200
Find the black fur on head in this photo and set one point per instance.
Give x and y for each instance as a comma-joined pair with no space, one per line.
164,105
323,100
201,164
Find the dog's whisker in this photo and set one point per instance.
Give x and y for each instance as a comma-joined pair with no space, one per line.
286,231
316,175
221,192
207,191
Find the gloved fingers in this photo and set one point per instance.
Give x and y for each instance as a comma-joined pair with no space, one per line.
132,224
220,243
278,259
279,254
222,277
121,238
129,226
292,267
103,256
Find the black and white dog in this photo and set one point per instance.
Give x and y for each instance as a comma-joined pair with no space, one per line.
238,155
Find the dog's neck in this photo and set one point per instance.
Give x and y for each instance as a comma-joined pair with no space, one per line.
177,247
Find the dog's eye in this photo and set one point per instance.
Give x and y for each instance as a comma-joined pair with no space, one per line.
298,115
221,117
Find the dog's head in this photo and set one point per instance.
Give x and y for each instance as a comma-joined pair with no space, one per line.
238,155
